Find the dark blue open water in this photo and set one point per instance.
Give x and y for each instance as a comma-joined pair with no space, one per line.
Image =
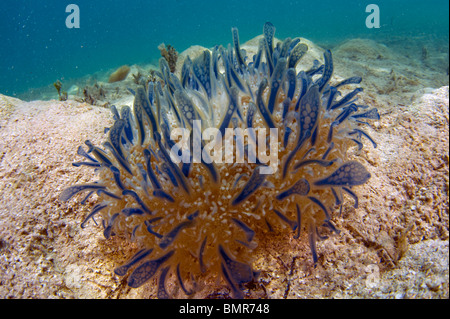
36,47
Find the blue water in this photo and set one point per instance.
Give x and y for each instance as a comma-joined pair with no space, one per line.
36,47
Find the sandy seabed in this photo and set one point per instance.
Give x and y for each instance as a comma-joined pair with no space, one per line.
395,245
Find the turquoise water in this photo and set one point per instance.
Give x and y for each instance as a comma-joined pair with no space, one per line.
37,48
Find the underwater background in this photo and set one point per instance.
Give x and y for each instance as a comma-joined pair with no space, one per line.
37,48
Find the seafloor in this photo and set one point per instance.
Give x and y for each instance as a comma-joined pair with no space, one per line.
395,245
